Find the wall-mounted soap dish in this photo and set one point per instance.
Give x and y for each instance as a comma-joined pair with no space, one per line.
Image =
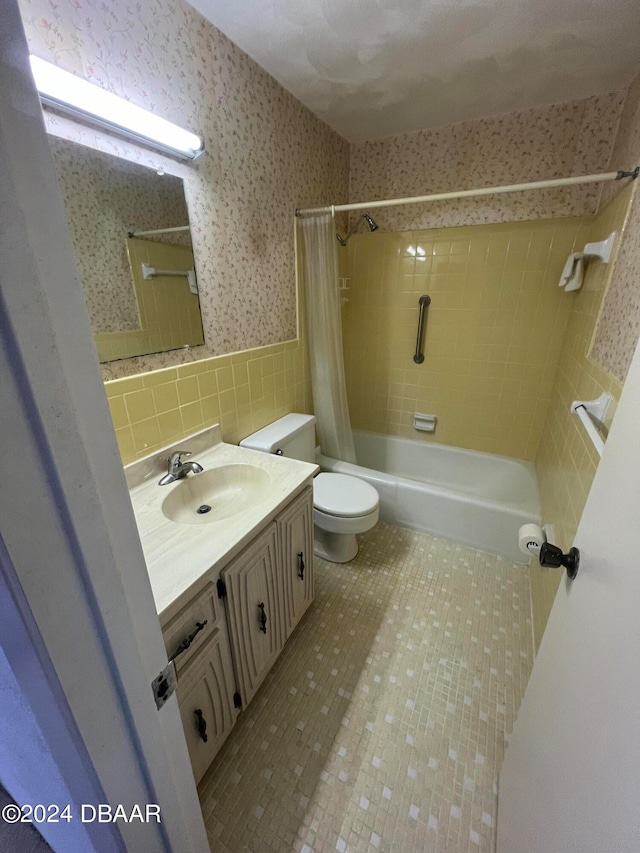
424,423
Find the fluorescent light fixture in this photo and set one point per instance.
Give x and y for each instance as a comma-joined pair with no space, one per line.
88,102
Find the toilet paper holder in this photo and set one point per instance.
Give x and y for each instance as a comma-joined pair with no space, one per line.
551,557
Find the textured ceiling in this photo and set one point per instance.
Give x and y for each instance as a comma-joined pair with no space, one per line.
375,68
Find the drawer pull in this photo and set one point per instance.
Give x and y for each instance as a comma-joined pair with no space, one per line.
263,618
184,645
202,724
301,566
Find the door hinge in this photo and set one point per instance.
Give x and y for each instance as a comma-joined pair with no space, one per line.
164,685
222,588
237,700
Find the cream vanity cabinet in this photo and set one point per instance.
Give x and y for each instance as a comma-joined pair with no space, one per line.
266,589
206,680
295,538
254,610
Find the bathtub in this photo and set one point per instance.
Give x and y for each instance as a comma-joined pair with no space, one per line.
478,499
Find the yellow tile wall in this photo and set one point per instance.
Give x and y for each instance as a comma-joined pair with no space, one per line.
494,330
566,462
242,392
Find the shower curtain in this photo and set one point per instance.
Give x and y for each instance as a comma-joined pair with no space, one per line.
324,333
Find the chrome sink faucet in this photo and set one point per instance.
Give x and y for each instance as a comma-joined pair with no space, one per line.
179,469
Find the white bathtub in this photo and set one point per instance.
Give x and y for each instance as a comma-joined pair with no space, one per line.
474,498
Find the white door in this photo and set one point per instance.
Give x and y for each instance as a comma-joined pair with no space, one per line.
72,571
570,782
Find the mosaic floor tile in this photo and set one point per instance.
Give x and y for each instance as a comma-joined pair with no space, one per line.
382,725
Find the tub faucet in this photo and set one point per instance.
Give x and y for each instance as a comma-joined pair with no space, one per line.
179,469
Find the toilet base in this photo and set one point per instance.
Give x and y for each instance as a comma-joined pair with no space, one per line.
335,547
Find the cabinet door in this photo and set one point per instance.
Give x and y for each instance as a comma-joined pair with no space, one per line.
295,540
254,611
205,698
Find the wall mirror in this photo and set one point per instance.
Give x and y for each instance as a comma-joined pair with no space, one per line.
130,230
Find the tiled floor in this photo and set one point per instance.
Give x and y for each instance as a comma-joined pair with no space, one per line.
382,723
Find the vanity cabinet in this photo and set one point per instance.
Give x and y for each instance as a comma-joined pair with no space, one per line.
205,698
269,586
225,650
295,540
197,641
254,611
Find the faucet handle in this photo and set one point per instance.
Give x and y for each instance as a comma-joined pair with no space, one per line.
176,457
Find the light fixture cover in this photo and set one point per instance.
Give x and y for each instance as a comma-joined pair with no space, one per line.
88,102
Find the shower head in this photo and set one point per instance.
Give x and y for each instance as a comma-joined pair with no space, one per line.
368,219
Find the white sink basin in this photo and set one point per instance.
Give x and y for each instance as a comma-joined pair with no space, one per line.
216,494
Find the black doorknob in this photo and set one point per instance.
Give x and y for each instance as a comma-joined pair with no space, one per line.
552,558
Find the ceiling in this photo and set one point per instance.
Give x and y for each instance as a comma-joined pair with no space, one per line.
376,68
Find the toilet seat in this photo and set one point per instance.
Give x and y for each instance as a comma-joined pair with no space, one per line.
343,496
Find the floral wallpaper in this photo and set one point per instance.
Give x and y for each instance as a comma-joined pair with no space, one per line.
618,328
104,199
556,141
266,154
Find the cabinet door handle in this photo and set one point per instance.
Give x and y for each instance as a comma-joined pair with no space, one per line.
184,645
301,566
202,724
262,618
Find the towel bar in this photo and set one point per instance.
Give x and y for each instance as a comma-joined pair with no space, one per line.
591,413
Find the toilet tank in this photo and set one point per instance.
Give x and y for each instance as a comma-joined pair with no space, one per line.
293,434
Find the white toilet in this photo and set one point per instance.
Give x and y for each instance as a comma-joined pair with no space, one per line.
342,505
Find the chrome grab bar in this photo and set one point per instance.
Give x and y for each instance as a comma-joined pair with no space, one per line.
424,303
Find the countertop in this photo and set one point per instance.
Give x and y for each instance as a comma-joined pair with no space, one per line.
179,555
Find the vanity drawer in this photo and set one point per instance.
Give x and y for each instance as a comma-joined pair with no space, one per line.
204,608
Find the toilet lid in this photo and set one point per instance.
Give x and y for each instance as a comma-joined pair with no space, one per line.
343,495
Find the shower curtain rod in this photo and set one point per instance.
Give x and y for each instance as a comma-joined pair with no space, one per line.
508,188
